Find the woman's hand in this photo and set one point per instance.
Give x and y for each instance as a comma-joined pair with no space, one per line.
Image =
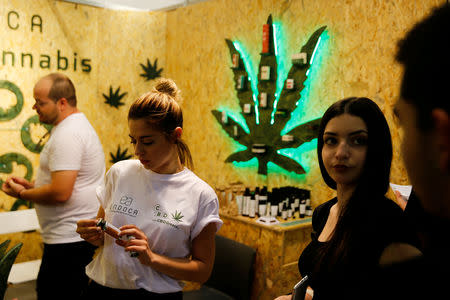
90,232
137,242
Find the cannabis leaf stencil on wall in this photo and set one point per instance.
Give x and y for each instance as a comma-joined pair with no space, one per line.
151,71
114,97
267,111
120,155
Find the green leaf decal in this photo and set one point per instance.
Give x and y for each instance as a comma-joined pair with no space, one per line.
177,216
114,97
120,155
11,112
151,71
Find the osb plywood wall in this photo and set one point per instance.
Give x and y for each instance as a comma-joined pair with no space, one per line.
359,61
103,48
112,43
189,44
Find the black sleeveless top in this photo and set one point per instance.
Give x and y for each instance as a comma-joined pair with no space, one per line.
343,279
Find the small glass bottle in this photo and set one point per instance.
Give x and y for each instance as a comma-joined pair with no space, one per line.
114,232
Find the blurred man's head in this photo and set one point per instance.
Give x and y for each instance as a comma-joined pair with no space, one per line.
423,109
55,97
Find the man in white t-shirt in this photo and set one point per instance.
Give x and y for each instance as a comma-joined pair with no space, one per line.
72,165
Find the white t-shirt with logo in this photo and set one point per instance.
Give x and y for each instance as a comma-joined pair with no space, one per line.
73,145
171,209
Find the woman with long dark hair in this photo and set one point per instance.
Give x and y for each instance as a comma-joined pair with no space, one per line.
351,230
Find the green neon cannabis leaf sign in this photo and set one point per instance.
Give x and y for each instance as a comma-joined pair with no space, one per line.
267,110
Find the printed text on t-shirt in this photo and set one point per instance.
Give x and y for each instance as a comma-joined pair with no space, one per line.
124,207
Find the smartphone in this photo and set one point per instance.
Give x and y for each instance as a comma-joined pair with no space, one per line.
299,291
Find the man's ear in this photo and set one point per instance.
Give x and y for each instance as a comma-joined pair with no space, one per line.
62,102
177,132
441,121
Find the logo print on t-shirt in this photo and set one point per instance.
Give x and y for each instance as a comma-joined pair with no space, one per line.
163,217
124,206
177,216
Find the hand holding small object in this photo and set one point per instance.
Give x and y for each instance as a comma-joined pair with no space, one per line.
90,232
116,233
138,243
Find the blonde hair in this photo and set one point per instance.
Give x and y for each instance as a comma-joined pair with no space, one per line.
161,108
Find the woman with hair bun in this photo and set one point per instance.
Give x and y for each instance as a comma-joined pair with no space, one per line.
166,216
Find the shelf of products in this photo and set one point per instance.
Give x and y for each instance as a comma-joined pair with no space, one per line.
277,246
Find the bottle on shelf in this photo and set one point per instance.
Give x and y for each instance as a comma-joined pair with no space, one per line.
309,210
263,201
280,200
252,206
284,210
297,201
292,205
302,210
257,198
273,206
246,202
239,201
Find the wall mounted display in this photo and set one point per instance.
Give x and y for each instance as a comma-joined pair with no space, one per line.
151,71
120,155
279,98
114,98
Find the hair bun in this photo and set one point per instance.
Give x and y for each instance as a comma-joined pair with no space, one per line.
167,86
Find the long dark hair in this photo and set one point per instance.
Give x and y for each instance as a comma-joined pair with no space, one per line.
373,184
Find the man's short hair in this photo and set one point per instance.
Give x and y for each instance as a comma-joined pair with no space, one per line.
62,87
425,55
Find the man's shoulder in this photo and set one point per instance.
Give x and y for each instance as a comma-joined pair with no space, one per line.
75,121
75,126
